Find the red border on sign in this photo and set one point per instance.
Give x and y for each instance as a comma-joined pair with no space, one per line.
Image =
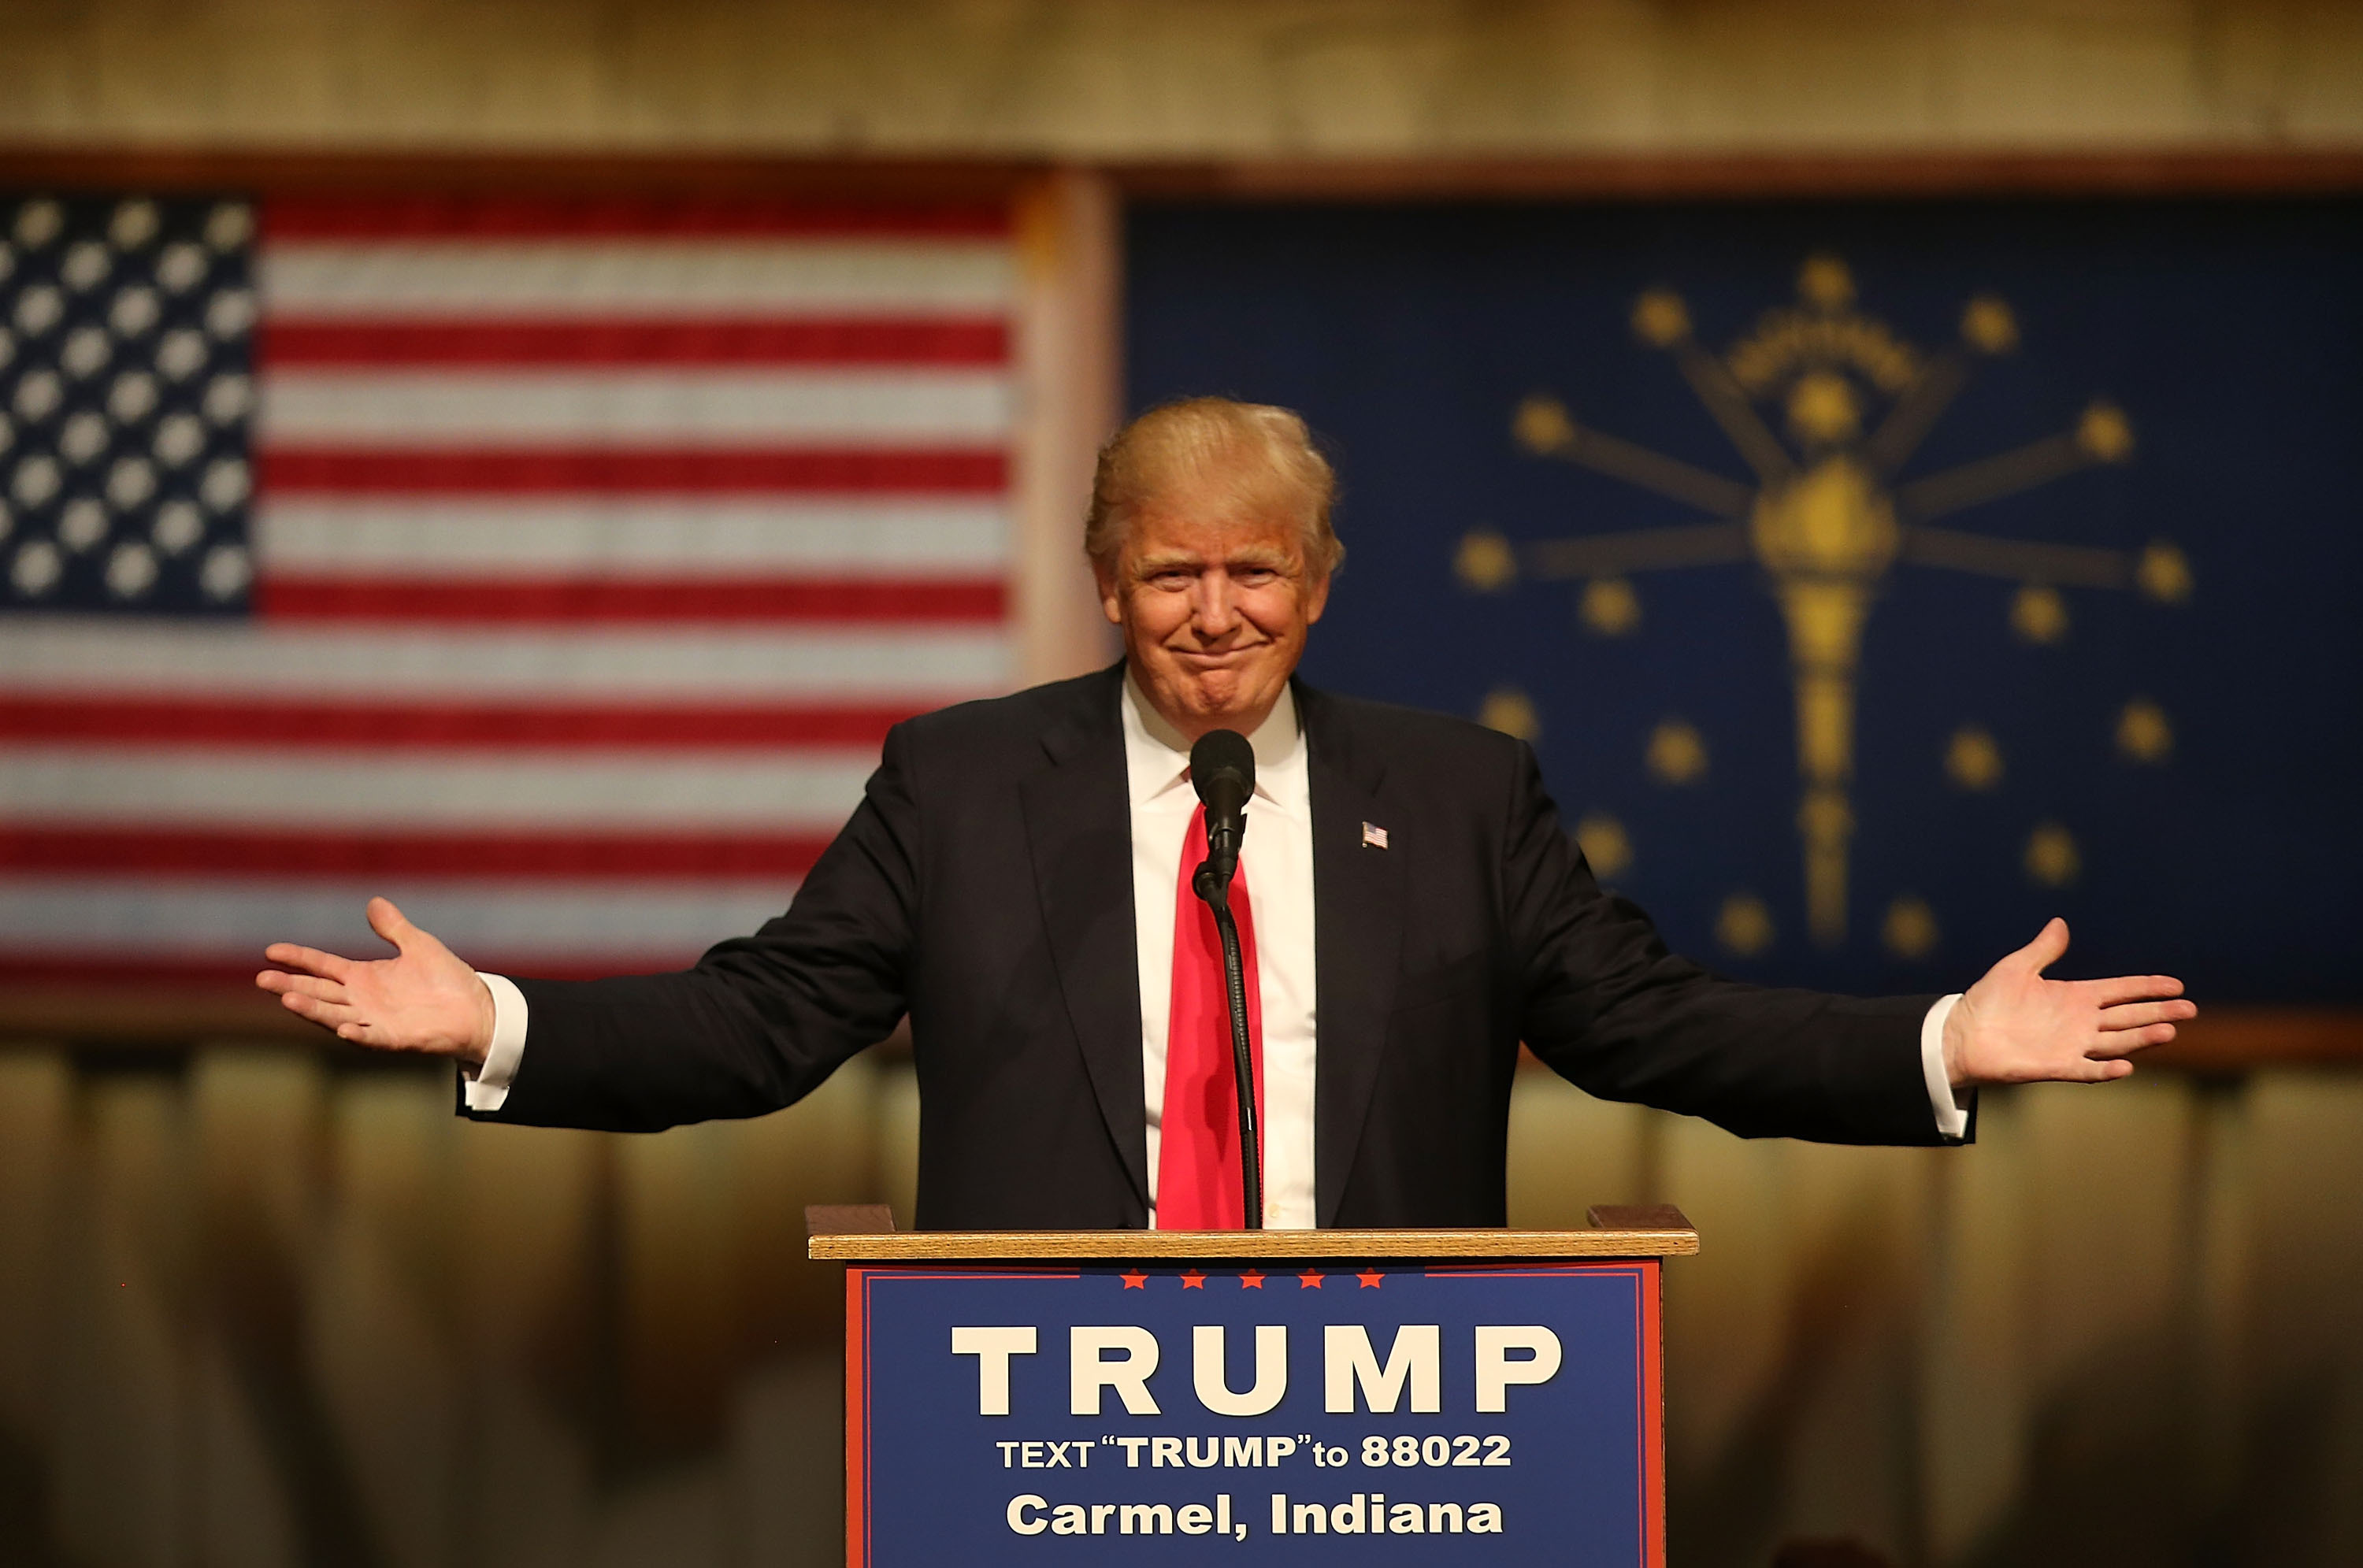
857,1384
1653,1417
1649,1390
857,1415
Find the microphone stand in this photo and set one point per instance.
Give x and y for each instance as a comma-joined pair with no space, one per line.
1218,894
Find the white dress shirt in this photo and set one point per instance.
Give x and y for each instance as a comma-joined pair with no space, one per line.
1276,859
1276,862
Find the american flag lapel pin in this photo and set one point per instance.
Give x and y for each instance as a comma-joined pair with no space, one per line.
1373,836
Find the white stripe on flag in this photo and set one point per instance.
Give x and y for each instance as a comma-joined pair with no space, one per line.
804,789
634,278
919,665
847,537
869,409
574,922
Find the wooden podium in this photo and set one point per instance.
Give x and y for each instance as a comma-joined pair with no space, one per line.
1253,1396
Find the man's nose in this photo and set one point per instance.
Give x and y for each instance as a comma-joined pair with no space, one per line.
1217,611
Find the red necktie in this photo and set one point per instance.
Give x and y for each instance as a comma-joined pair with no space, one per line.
1198,1184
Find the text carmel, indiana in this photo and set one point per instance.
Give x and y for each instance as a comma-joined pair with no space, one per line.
1120,1359
1365,1513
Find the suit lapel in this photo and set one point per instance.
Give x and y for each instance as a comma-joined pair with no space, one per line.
1079,834
1357,895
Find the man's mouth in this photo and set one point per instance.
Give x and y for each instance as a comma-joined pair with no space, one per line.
1224,659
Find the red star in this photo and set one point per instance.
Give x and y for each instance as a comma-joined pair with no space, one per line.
1369,1278
1309,1280
1251,1281
1136,1281
1192,1280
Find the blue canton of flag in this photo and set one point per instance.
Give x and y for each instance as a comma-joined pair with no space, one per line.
127,395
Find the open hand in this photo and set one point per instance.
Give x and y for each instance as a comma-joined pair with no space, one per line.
423,998
2016,1027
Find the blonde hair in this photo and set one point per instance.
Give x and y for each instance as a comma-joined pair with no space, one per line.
1260,457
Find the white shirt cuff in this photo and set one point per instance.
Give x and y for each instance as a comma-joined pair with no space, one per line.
487,1087
1951,1105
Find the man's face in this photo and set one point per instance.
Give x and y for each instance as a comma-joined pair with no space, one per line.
1213,607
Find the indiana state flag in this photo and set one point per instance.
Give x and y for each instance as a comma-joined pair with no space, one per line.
1875,581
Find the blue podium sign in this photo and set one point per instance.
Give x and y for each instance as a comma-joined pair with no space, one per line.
1250,1413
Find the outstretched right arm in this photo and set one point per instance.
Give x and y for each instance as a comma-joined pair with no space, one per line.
757,1024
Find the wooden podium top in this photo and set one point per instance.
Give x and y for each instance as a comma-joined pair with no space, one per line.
865,1234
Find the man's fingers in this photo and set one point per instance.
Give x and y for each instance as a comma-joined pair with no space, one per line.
2135,989
308,958
328,1015
363,1032
2048,944
2093,1070
392,923
303,985
2125,1041
2137,1015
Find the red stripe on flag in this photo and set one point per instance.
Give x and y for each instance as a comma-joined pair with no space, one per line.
176,721
521,217
700,470
165,852
508,342
472,600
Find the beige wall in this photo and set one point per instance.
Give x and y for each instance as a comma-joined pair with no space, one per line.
1183,78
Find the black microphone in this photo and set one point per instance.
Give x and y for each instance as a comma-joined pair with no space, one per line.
1222,767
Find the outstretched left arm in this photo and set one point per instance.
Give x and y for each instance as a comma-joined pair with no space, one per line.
2016,1027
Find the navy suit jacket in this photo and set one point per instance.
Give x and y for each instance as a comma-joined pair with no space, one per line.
983,890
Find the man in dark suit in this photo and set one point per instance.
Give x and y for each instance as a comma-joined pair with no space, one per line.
1420,911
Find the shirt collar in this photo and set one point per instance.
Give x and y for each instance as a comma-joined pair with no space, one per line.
1157,758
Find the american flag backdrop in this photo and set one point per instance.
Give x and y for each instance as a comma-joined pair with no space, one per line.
555,567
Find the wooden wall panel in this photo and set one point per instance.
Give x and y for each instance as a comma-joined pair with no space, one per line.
2305,1408
1569,1151
677,1289
278,1476
817,1150
36,1106
2105,1220
1070,355
898,1141
1851,1465
246,1512
786,1463
383,1347
1729,1307
36,1087
1102,78
120,1468
1974,1380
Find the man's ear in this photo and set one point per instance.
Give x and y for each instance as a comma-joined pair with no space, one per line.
1316,598
1111,594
